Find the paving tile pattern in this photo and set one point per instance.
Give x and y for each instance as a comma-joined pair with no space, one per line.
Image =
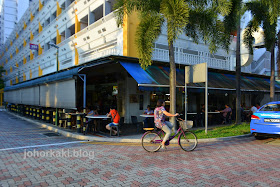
242,162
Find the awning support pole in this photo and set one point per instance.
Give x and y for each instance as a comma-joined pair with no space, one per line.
186,102
84,79
206,101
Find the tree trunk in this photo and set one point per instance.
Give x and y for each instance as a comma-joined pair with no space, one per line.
278,56
172,81
238,76
272,74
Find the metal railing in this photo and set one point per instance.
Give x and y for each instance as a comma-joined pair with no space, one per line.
190,59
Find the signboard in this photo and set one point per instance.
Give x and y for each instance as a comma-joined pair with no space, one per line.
33,46
115,90
196,73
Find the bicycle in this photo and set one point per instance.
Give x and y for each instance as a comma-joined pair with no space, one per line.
187,140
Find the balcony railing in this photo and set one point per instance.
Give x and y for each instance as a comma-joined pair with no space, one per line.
191,59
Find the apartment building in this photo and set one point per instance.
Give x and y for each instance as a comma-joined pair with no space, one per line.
59,47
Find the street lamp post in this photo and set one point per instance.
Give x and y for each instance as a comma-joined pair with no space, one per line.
53,45
57,49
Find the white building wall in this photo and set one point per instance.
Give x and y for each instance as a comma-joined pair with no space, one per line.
188,52
9,14
132,109
93,41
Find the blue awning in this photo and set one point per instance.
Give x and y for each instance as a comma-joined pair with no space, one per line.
47,79
153,76
140,75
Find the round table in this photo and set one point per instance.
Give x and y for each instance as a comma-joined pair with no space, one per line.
96,117
147,116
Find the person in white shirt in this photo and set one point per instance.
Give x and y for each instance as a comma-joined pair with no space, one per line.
253,109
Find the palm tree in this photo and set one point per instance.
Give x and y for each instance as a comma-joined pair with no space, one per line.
152,16
232,24
174,14
263,17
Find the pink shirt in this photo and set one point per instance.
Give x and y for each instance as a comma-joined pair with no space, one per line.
159,117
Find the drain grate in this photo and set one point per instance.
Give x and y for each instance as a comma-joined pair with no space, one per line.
51,134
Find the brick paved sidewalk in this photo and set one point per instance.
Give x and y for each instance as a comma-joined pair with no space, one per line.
234,163
240,162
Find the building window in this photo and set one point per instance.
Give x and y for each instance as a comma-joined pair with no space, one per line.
96,15
70,31
47,21
84,22
62,36
53,16
69,2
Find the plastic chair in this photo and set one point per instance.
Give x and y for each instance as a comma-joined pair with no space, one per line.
228,118
117,127
135,122
63,119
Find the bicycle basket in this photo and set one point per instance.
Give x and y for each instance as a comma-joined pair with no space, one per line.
186,124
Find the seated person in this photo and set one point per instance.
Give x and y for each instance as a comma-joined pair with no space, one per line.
201,116
253,109
148,122
115,119
92,111
148,110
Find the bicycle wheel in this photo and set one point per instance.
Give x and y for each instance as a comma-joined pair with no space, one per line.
151,142
187,141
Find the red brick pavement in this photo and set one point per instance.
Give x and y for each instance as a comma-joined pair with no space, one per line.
242,162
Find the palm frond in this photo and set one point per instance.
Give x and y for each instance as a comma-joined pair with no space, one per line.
176,13
222,6
147,32
248,38
274,9
261,16
126,7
